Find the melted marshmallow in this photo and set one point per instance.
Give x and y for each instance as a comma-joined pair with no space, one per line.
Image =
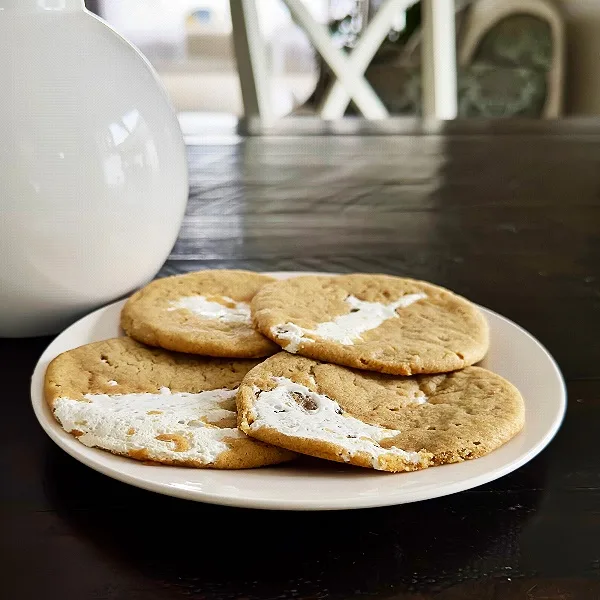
345,329
130,422
199,305
292,334
277,409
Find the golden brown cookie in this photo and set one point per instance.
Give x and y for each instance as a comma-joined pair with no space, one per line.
201,313
373,322
154,405
380,421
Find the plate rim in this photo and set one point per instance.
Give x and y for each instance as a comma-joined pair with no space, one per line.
61,439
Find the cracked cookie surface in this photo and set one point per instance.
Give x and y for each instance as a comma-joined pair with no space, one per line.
153,405
207,312
374,420
373,322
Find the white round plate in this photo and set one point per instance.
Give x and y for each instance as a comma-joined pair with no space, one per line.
514,354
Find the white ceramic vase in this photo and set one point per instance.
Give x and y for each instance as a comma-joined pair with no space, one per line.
93,172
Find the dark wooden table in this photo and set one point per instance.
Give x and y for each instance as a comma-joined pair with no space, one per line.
512,222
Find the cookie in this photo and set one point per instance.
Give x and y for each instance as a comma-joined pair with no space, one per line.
385,422
153,405
373,322
200,313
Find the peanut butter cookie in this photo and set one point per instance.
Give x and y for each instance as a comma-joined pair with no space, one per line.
207,312
153,405
372,322
384,422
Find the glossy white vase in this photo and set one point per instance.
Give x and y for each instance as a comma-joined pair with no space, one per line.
93,172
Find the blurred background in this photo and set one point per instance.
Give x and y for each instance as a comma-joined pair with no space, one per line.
516,58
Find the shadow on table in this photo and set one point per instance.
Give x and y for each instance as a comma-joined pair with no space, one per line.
226,552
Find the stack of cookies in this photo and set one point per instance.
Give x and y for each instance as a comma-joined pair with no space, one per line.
232,369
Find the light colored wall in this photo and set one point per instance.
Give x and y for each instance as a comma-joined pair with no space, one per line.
583,56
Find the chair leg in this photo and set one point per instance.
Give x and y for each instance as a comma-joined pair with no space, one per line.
252,63
439,73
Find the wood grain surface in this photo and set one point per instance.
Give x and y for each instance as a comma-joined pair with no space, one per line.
510,221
